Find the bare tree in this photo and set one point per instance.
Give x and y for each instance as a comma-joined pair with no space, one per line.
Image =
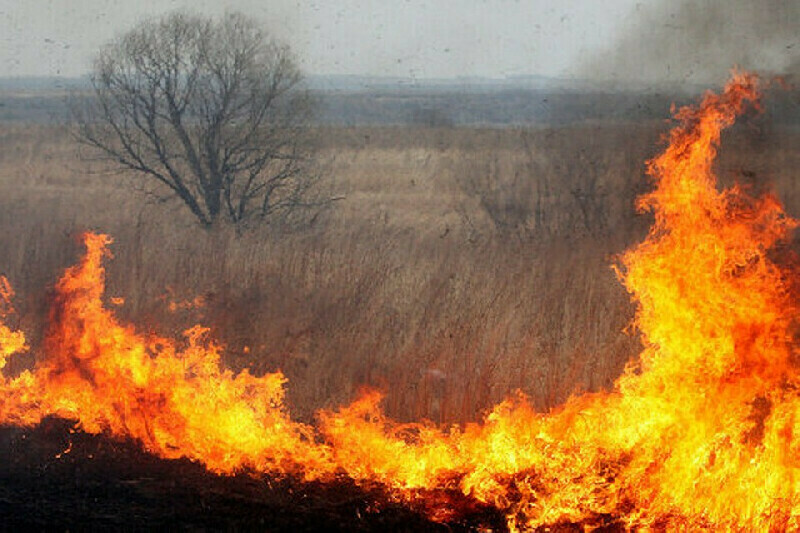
207,110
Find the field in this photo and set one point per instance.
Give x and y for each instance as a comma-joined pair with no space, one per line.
460,265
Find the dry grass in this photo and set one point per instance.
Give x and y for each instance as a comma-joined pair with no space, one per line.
410,284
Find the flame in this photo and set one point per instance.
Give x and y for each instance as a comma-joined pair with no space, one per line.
175,398
697,433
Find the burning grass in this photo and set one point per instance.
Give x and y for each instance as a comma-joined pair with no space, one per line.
391,289
697,433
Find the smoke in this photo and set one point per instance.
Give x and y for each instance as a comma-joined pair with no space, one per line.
699,41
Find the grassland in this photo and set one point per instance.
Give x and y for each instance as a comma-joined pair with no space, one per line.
461,265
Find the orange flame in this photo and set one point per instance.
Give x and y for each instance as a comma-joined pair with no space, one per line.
698,433
177,400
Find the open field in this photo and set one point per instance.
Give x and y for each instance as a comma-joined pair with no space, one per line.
461,265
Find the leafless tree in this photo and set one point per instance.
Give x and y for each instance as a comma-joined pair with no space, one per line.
210,111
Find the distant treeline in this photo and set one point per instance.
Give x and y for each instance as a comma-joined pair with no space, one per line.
490,108
438,108
518,107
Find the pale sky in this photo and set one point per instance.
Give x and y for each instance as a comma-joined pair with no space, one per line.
406,38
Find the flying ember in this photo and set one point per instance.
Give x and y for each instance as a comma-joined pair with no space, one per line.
698,432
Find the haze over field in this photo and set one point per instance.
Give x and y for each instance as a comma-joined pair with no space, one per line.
691,40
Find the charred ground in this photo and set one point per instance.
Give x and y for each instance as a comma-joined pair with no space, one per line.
56,478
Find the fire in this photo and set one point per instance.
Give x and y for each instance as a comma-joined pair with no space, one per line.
697,433
173,397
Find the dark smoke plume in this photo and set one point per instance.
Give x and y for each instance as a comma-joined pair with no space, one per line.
699,41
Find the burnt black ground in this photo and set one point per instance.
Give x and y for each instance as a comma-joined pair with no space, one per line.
104,484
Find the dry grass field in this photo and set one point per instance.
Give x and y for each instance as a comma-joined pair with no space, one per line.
461,265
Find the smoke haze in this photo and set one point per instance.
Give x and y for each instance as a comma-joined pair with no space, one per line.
699,41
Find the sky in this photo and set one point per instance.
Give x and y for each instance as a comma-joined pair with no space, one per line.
404,38
642,40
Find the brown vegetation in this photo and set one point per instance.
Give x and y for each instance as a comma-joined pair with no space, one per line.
463,263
